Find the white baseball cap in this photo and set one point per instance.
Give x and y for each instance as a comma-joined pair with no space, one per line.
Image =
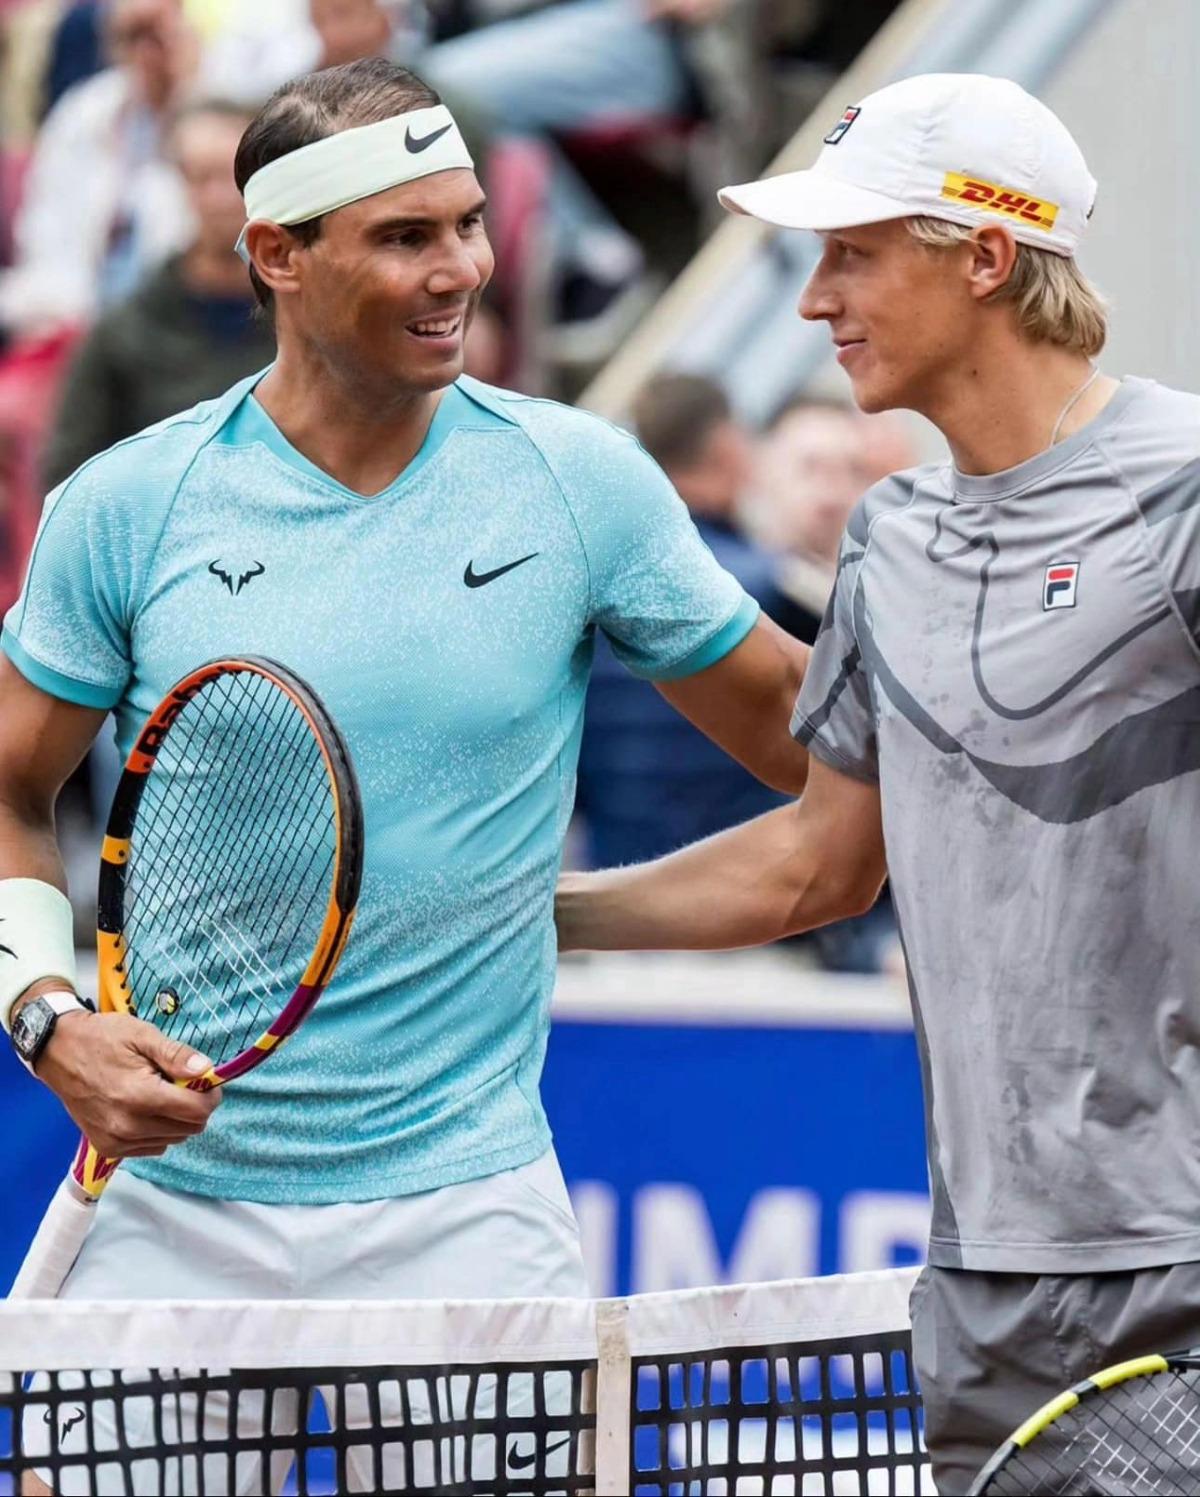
958,146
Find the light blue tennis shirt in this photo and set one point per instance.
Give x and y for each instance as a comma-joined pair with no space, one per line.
448,624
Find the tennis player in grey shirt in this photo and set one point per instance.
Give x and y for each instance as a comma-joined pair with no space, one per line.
1003,713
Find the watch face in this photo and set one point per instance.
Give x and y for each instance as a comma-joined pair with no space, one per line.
31,1028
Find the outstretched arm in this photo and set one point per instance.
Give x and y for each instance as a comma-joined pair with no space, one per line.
802,866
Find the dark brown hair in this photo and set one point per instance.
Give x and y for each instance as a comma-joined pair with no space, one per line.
674,414
319,104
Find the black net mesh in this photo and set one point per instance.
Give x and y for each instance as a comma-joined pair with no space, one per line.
1138,1439
838,1416
475,1428
229,869
830,1416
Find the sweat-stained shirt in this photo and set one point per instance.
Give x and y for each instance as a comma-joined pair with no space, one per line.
1014,659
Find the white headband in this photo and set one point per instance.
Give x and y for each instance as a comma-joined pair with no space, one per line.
353,164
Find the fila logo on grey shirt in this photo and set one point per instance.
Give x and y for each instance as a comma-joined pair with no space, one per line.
1059,584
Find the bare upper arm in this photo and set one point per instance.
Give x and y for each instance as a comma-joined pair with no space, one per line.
744,703
42,740
839,833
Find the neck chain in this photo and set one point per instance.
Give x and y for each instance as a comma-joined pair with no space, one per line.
1072,401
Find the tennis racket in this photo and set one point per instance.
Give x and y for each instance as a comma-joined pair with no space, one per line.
229,877
1131,1429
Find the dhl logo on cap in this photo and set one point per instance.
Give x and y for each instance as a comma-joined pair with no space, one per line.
993,198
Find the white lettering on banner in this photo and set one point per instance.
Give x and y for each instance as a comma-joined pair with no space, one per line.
873,1224
674,1246
673,1242
595,1206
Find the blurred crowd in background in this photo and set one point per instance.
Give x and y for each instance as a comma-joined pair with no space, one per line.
600,128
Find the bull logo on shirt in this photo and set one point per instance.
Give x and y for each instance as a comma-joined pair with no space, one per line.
256,569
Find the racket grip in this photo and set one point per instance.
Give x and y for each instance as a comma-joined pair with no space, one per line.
53,1251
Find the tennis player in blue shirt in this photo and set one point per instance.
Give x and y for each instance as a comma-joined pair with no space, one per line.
436,557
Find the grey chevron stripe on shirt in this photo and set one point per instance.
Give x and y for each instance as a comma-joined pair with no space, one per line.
1037,744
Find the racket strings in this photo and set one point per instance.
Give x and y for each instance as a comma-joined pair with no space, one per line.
230,866
261,894
1140,1438
227,940
171,791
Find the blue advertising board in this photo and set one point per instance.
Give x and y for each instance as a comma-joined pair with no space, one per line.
733,1119
717,1118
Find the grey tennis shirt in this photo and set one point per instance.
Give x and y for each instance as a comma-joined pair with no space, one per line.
1014,659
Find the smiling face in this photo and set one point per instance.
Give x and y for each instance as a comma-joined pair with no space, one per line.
902,317
387,290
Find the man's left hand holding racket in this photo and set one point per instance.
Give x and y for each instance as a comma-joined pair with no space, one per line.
117,1079
229,877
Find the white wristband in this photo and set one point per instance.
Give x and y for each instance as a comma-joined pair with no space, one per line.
37,939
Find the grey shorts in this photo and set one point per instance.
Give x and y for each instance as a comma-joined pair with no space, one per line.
991,1348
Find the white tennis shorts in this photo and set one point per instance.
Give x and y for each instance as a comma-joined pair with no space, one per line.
510,1235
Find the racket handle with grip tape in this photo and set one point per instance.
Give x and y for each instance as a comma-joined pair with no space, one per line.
56,1245
67,1221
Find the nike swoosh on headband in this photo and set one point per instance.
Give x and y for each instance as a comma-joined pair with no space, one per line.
415,144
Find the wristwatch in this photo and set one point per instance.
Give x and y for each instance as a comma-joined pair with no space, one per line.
34,1024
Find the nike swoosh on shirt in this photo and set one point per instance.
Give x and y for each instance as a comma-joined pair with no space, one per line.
523,1462
415,144
480,579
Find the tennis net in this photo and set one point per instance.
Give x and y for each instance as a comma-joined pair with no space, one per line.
801,1386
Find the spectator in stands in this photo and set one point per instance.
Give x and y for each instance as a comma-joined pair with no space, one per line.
188,332
815,461
808,477
76,49
255,52
648,780
101,205
685,423
571,66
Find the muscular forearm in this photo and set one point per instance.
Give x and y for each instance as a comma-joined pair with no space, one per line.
29,849
42,740
753,884
28,846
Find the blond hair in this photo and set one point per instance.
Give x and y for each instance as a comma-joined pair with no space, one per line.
1053,301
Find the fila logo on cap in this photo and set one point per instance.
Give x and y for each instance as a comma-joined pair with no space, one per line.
847,119
1059,584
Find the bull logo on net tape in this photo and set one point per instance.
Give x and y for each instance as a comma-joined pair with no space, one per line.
991,197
